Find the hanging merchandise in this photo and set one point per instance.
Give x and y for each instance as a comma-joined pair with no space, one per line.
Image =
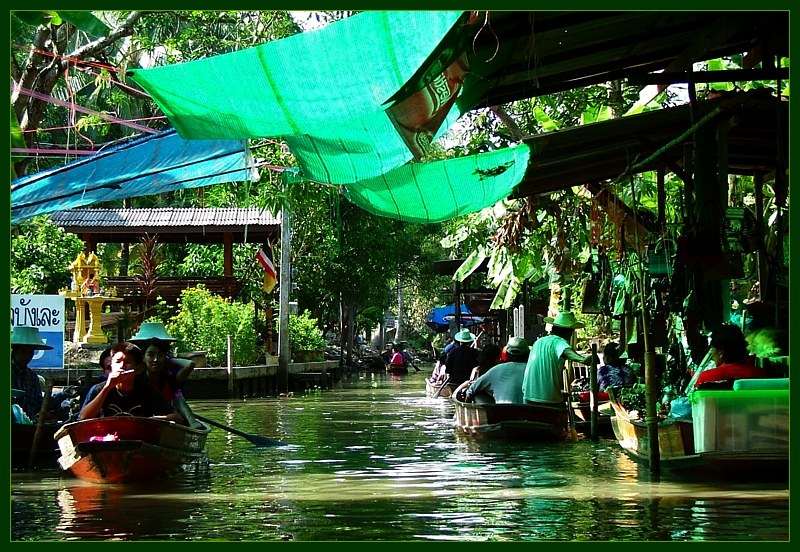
660,255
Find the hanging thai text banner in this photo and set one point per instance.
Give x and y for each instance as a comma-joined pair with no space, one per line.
46,313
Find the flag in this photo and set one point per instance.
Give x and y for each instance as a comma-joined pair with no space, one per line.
264,256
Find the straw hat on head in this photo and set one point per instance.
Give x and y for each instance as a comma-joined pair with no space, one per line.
464,336
151,330
517,346
27,335
564,319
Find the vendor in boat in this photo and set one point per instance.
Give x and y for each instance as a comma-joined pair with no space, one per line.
729,352
461,359
126,391
543,380
614,372
25,341
165,372
503,383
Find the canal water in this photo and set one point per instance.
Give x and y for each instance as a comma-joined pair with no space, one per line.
373,459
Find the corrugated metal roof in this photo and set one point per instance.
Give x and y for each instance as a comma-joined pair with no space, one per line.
165,217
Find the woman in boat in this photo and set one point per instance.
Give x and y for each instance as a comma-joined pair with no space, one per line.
729,352
543,380
398,360
126,391
164,371
503,383
614,372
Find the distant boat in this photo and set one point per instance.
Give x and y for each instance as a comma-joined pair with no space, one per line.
741,433
126,449
397,369
511,421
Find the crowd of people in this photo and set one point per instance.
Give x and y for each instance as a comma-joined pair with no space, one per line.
523,373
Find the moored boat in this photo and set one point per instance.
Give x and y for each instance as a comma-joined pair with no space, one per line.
741,433
511,421
126,449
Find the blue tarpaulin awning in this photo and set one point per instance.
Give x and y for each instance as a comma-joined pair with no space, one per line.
153,164
439,319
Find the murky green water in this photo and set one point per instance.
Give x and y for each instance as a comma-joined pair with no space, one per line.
374,460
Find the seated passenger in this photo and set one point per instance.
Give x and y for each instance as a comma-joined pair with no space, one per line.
126,391
489,357
614,372
729,352
503,383
164,371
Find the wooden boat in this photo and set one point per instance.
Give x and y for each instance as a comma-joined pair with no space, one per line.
582,408
22,437
129,449
511,421
736,434
397,369
432,388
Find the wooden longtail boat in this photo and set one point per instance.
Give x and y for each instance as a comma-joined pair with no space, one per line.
129,449
511,421
740,433
582,408
432,388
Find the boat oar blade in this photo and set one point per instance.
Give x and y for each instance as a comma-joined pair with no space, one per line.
257,440
441,387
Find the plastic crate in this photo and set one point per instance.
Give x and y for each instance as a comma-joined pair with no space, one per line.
744,420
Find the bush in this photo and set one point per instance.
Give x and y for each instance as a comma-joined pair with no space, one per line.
205,320
304,333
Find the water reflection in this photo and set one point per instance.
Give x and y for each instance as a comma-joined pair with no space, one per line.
374,459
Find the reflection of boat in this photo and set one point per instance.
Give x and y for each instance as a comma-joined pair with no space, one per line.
741,433
22,436
513,421
397,369
125,449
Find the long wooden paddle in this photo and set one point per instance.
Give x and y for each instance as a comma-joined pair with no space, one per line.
257,440
438,391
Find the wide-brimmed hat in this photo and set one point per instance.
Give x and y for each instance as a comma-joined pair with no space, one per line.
564,319
464,336
517,346
27,335
152,330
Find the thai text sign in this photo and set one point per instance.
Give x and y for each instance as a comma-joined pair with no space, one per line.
45,312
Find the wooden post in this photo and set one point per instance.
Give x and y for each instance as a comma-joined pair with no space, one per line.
593,390
230,366
284,351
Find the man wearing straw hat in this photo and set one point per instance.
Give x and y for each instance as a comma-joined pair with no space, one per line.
24,341
543,380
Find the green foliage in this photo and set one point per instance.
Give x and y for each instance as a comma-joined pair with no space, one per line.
204,322
304,333
40,256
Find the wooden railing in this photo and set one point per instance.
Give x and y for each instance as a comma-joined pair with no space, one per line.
169,288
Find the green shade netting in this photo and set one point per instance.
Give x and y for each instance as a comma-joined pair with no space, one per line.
441,190
323,91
